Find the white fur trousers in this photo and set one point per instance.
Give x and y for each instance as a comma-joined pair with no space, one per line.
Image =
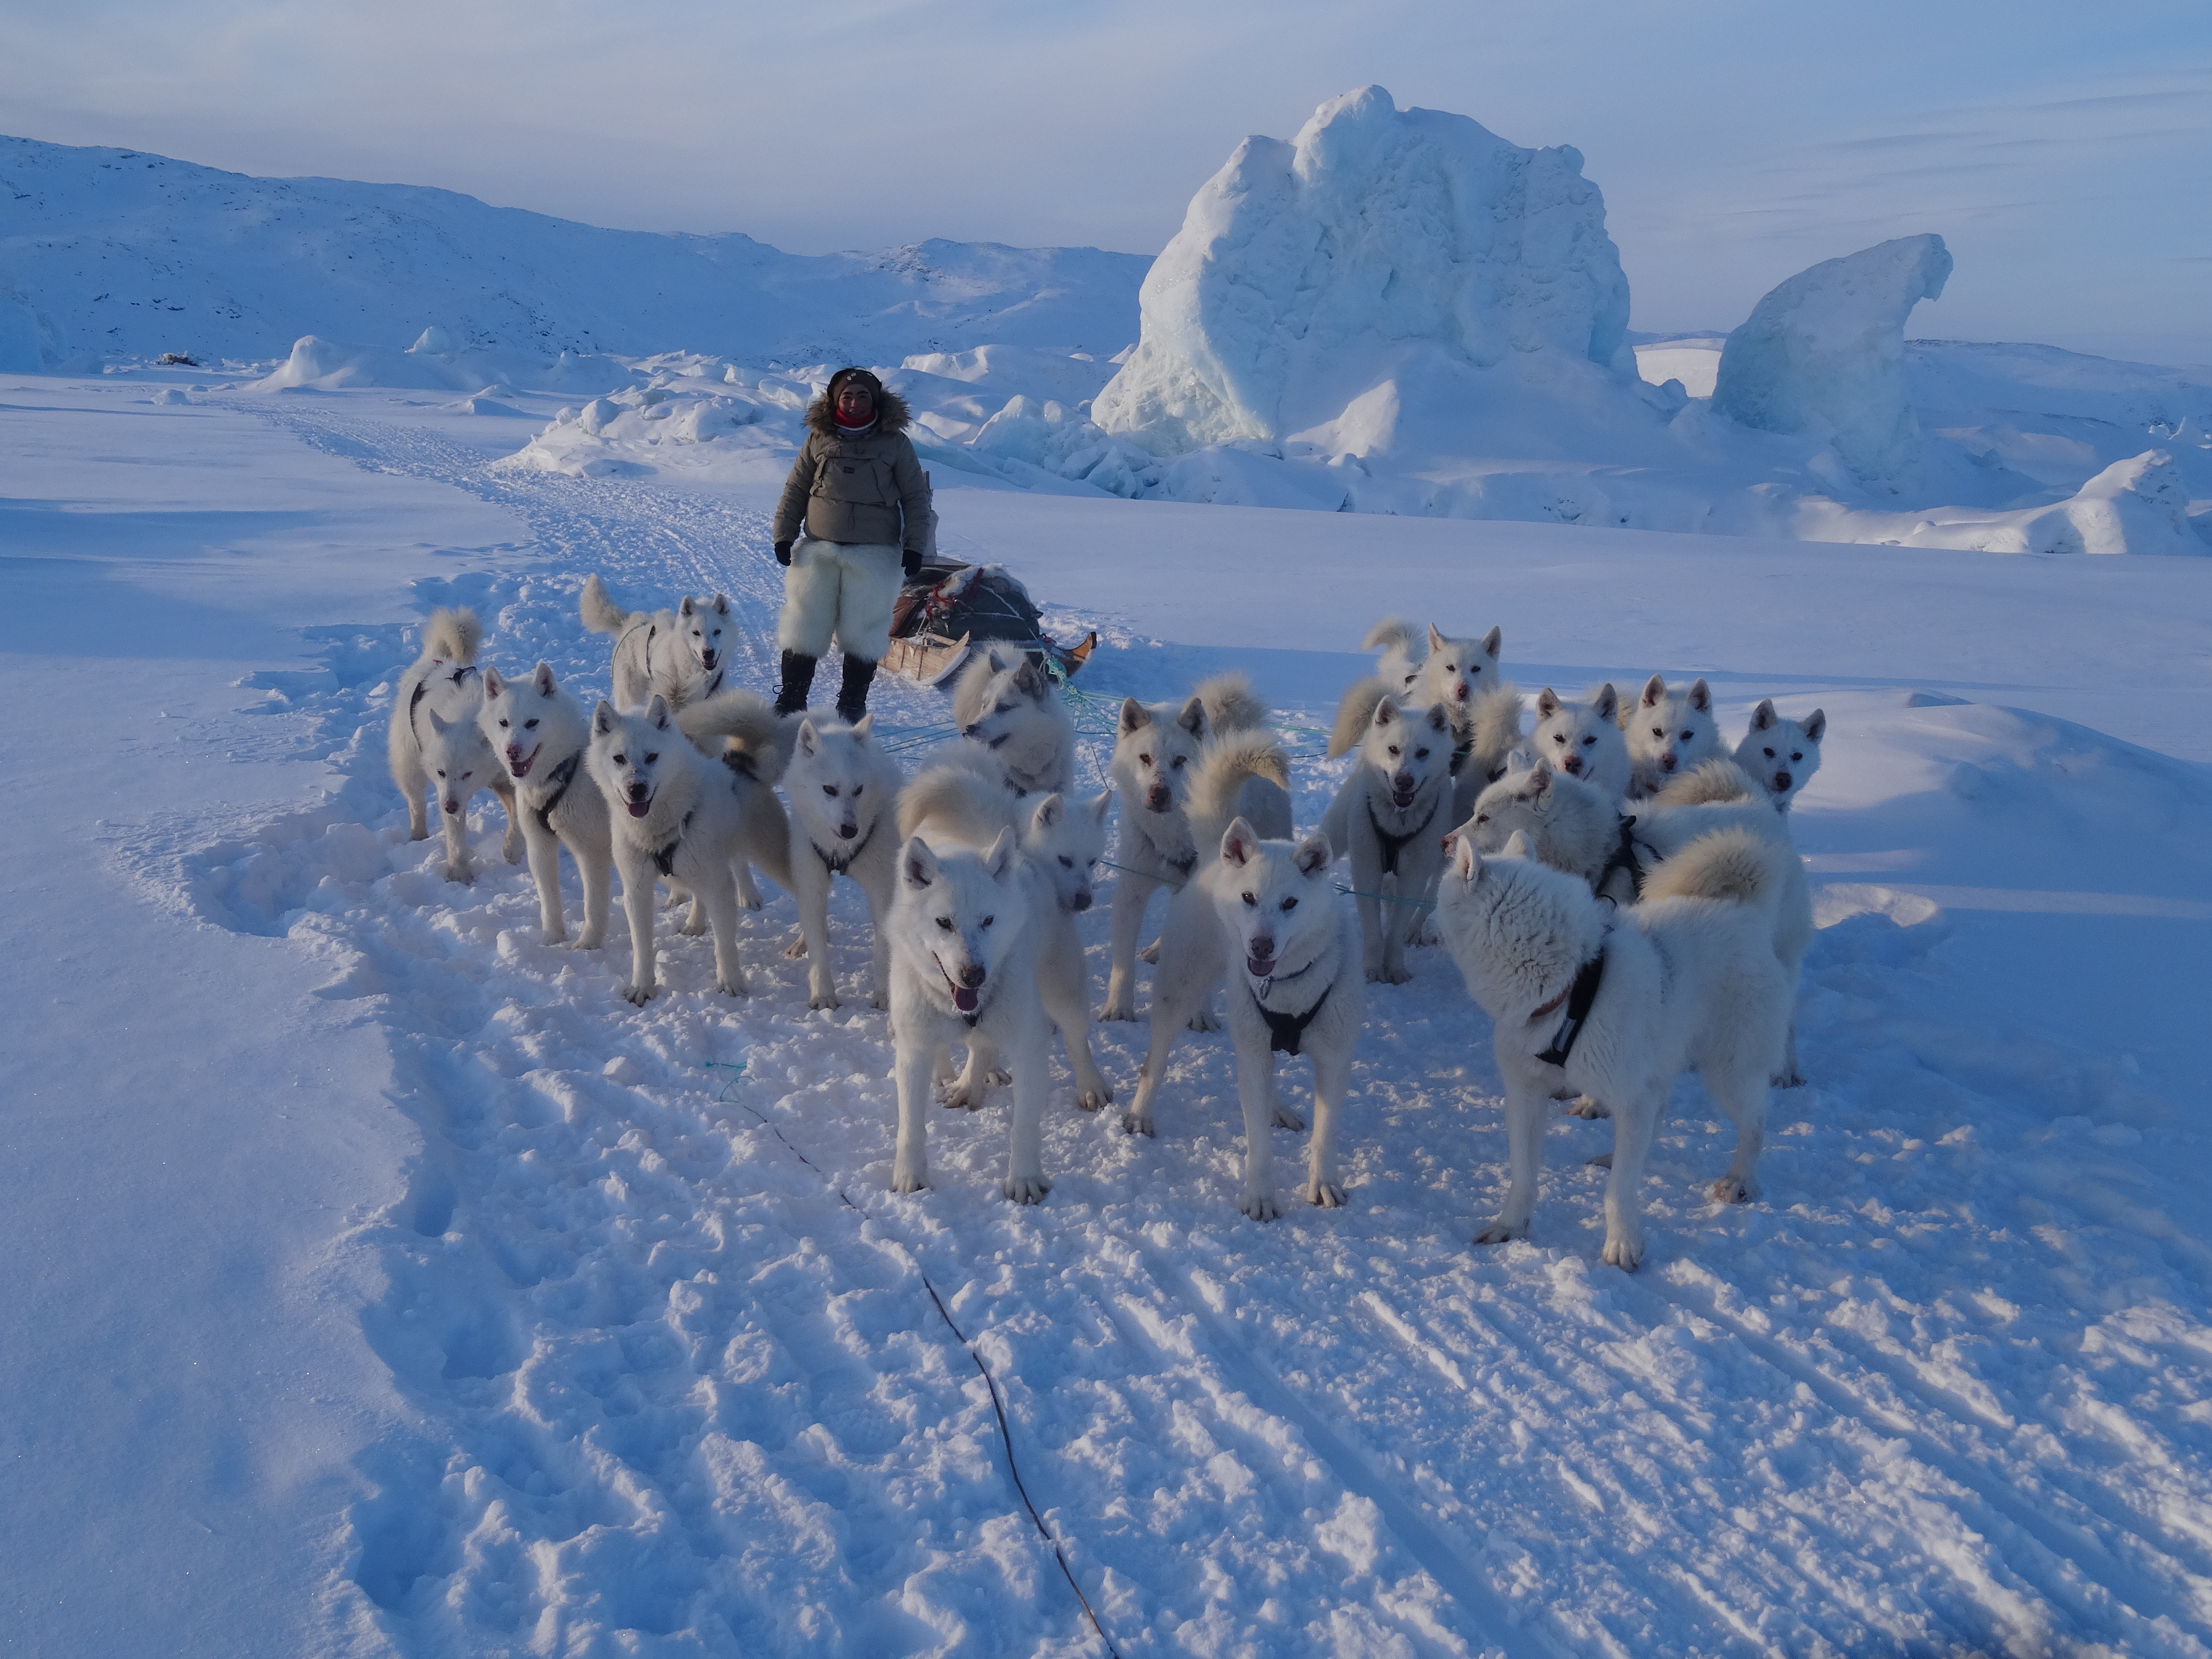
849,588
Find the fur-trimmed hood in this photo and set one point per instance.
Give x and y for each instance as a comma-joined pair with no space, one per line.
891,416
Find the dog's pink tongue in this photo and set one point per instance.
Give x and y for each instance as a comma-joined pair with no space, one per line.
638,809
1258,969
963,998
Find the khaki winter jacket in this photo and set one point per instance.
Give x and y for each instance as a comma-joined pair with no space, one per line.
866,489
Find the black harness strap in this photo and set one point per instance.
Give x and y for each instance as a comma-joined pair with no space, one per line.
1580,996
415,702
1623,857
663,860
560,777
1287,1031
1460,751
1394,845
838,867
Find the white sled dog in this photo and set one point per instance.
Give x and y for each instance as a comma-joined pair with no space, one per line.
1618,1007
679,655
1779,753
1574,828
1462,675
1391,818
540,731
674,813
434,740
964,968
956,803
844,792
1668,734
1004,701
1267,913
1166,758
1584,739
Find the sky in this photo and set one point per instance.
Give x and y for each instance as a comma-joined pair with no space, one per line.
2064,152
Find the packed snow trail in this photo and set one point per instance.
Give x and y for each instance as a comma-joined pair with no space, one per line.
1944,1388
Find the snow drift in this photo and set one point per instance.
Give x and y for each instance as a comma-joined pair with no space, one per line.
1823,353
1310,276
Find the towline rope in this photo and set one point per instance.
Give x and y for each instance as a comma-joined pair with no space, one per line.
998,1405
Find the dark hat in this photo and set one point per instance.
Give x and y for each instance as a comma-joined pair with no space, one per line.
865,377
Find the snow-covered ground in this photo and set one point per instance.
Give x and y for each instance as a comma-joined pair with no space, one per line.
384,1282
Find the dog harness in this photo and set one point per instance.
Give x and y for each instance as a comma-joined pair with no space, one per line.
663,860
652,632
1394,845
421,686
1623,857
1287,1031
1578,997
560,777
838,867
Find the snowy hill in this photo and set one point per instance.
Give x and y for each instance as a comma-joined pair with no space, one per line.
129,254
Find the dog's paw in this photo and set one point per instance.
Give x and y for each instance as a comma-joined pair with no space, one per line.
1025,1189
730,987
796,950
880,1003
1427,932
999,1078
460,875
1118,1010
1498,1233
1287,1119
639,995
1260,1206
1203,1020
962,1096
1602,1161
1787,1080
748,902
423,833
1325,1194
1093,1100
1400,975
1625,1252
694,925
1728,1190
589,940
1134,1124
555,935
822,999
906,1180
1150,953
1585,1106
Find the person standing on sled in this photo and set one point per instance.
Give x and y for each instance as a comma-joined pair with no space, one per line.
857,495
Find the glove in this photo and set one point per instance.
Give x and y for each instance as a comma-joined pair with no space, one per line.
783,553
912,565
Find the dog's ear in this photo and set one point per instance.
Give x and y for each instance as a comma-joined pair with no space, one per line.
1192,719
1031,683
1654,689
1763,717
1102,805
657,712
1386,713
1547,703
1815,724
1000,858
1701,696
1539,779
1313,854
687,607
1467,863
493,684
810,740
438,726
1522,759
1239,843
542,678
1049,811
603,719
1437,639
722,602
1439,717
918,866
1493,642
1518,847
1608,702
1135,717
865,724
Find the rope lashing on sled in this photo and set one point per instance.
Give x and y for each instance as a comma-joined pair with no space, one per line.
998,1403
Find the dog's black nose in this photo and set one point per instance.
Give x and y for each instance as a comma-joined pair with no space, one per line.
1781,780
1082,902
706,660
637,792
971,731
972,975
847,831
1157,798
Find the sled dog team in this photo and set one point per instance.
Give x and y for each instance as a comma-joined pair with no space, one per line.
1621,892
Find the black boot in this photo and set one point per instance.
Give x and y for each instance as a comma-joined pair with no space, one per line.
798,681
852,698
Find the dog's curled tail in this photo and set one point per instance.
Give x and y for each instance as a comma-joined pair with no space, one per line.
452,635
746,722
1354,714
1493,726
1230,703
601,613
1397,631
953,794
1731,864
1717,782
1222,770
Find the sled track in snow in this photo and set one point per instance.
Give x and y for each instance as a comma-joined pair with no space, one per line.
668,1385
